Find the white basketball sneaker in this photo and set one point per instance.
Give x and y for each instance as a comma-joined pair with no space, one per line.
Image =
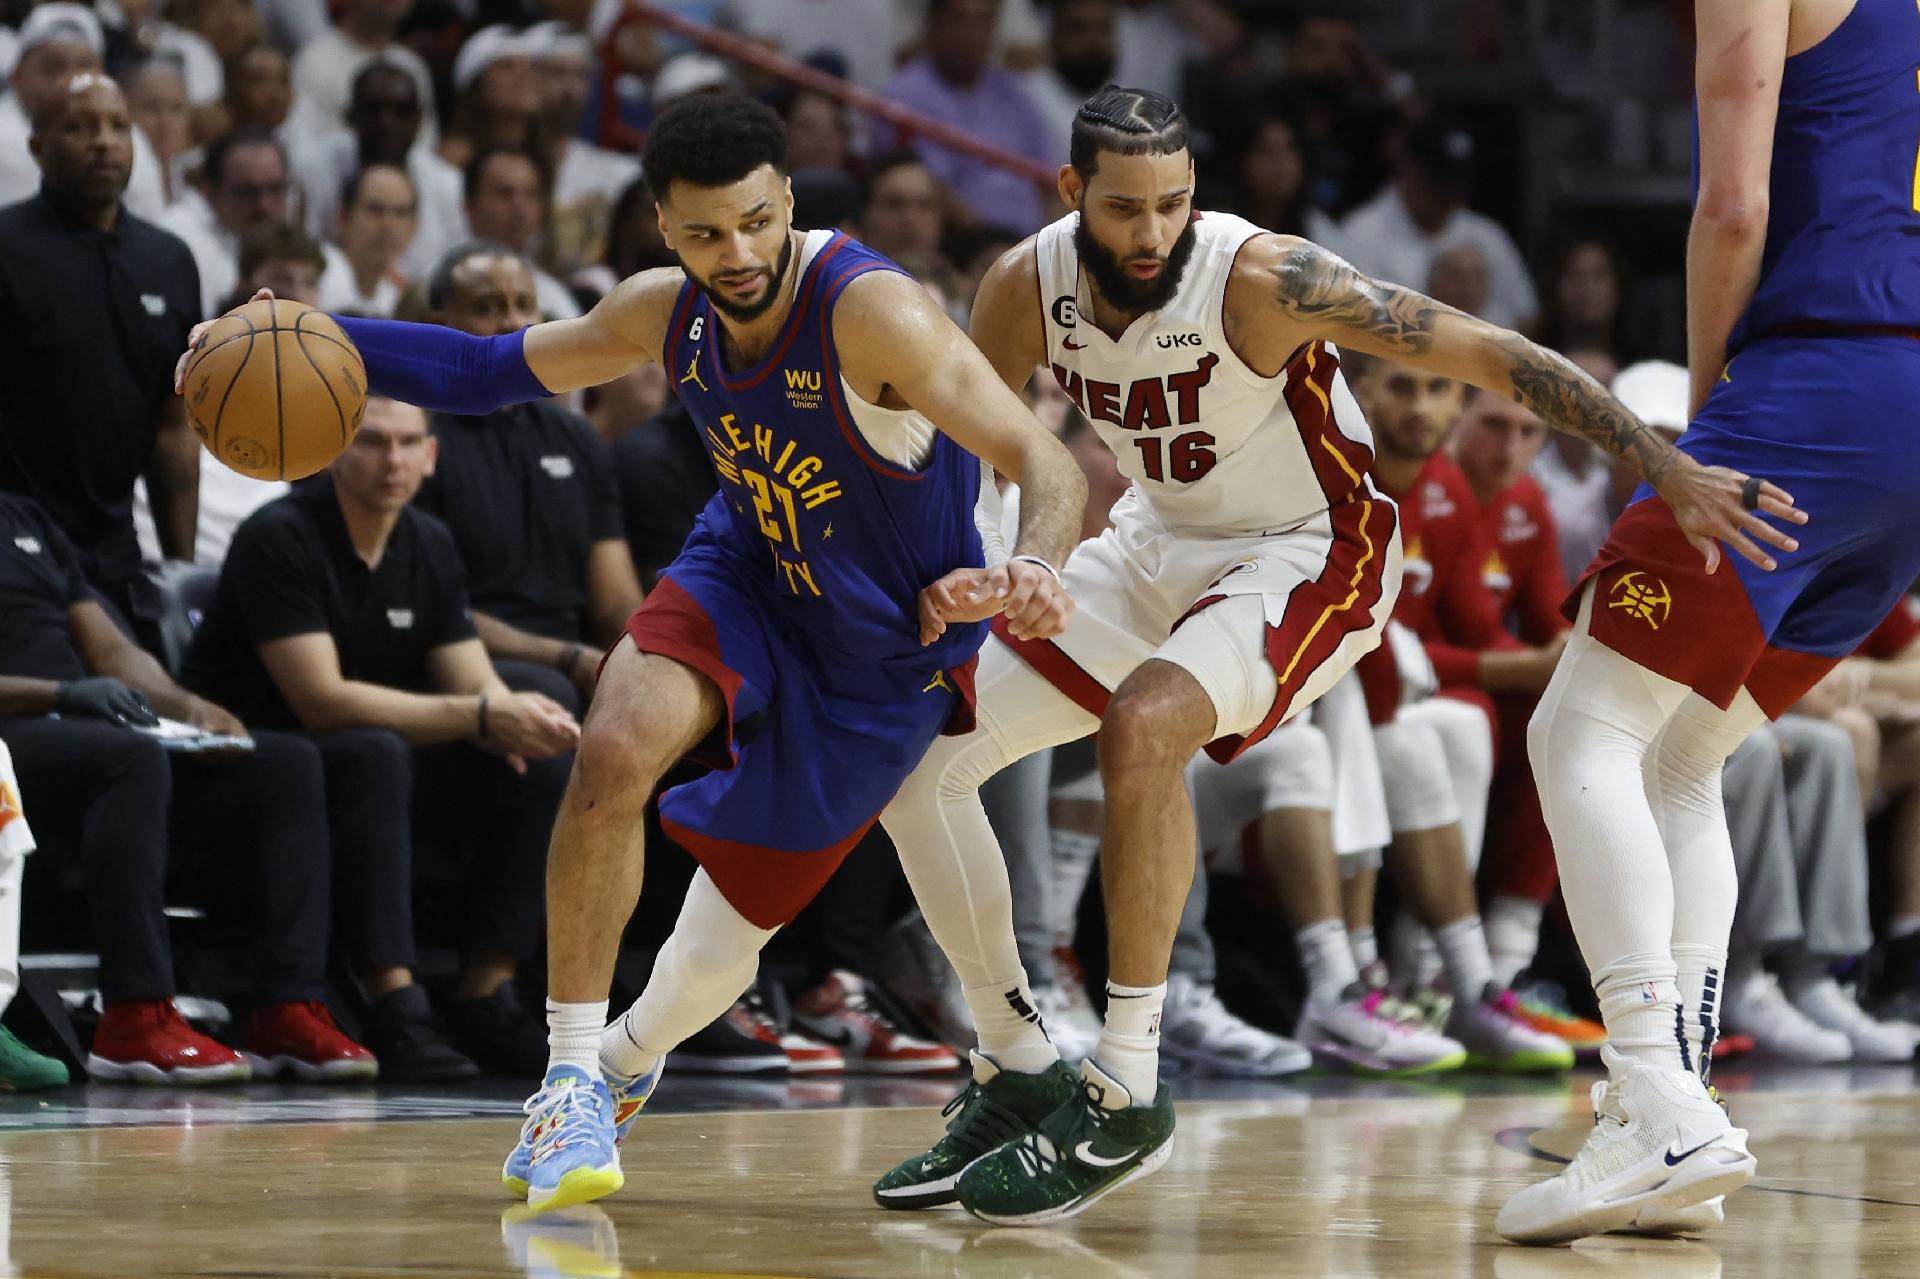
1757,1007
1198,1033
1359,1032
1659,1140
1071,1023
1826,1005
1653,1220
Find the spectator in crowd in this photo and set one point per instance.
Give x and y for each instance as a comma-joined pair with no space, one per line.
507,201
954,82
973,252
292,24
138,32
1159,39
247,185
1270,187
1346,100
688,74
818,134
1459,278
1019,35
634,243
616,408
1585,306
96,305
665,479
342,612
903,217
383,127
259,90
827,199
587,179
1422,213
75,692
58,41
496,95
227,27
379,213
532,500
857,33
1082,46
21,1068
285,260
157,100
1578,476
324,70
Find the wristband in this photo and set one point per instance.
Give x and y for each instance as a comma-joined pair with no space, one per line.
480,734
1035,559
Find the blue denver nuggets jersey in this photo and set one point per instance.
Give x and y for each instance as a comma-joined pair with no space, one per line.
839,540
1843,227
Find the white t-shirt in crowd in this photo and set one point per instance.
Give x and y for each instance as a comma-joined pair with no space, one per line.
340,290
1382,239
226,499
585,185
323,74
216,250
321,165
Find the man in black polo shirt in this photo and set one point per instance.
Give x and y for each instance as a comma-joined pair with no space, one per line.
531,497
343,612
95,304
74,690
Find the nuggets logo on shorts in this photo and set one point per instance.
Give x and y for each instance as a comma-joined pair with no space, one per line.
1646,598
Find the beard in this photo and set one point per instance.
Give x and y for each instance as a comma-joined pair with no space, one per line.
747,312
1127,292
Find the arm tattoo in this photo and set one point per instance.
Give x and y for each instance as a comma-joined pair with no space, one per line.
1315,285
1568,400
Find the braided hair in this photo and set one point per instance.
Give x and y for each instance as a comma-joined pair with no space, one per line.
1125,122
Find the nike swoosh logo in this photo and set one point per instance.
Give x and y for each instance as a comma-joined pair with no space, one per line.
1072,345
1084,1153
1674,1160
841,1038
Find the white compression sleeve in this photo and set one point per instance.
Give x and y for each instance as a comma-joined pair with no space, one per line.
948,850
1588,741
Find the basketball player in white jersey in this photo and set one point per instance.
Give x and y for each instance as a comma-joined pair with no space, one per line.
1248,568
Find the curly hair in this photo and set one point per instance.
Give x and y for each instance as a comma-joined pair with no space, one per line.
712,141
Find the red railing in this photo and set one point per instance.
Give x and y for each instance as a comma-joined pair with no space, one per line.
910,124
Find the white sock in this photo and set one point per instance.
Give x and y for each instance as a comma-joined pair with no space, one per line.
573,1035
1365,946
1702,978
1010,1030
1640,1004
1328,959
1129,1047
1513,936
1463,954
1903,926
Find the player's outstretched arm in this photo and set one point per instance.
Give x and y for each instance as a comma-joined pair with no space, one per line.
447,371
894,340
1311,294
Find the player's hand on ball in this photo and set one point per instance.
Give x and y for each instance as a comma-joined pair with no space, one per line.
198,334
1706,503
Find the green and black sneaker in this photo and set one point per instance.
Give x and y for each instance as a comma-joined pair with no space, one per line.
1096,1143
24,1070
997,1106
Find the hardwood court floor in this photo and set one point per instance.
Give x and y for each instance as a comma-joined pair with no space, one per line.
1325,1178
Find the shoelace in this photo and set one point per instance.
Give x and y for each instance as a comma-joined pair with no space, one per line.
1037,1153
1395,1017
559,1115
982,1124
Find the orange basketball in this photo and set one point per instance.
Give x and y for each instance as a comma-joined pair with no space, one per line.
275,390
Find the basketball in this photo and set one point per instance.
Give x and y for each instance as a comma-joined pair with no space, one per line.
275,390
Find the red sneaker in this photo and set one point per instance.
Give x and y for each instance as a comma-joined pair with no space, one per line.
303,1039
1732,1046
837,1010
805,1055
147,1041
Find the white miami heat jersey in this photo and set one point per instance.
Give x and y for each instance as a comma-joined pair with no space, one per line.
1212,446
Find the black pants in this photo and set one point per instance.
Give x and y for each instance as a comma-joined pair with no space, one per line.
254,822
465,805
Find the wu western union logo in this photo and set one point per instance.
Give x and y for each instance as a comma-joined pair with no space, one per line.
1643,597
803,388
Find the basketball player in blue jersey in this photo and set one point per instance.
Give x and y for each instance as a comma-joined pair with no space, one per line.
1803,330
847,419
1251,564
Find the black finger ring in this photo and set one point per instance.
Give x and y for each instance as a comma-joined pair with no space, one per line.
1750,494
